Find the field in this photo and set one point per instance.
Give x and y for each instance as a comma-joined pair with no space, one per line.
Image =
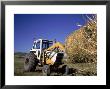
81,69
80,47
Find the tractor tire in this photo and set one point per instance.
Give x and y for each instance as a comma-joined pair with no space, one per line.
46,70
65,70
30,62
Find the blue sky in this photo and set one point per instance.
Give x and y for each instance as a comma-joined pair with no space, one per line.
44,26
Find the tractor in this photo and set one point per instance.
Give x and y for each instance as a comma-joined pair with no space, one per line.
46,55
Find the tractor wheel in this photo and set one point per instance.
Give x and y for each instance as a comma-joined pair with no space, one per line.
65,69
30,62
46,70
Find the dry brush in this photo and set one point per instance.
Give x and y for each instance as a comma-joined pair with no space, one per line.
81,45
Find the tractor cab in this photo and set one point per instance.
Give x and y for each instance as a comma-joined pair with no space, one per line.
40,45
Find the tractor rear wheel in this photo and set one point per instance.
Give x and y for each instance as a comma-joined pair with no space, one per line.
30,62
46,70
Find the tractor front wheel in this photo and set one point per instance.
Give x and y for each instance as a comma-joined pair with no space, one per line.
65,70
46,70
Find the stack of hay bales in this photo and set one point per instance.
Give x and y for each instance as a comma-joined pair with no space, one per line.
81,45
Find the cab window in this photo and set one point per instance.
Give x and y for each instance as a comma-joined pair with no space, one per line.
38,45
44,46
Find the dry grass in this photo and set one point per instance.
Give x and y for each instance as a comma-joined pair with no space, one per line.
83,69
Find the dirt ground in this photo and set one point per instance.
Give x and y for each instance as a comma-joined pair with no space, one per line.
79,69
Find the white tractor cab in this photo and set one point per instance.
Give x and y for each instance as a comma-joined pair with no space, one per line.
39,46
46,54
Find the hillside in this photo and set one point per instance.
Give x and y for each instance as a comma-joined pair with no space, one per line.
20,54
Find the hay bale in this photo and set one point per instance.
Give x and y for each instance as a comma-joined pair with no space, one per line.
81,45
